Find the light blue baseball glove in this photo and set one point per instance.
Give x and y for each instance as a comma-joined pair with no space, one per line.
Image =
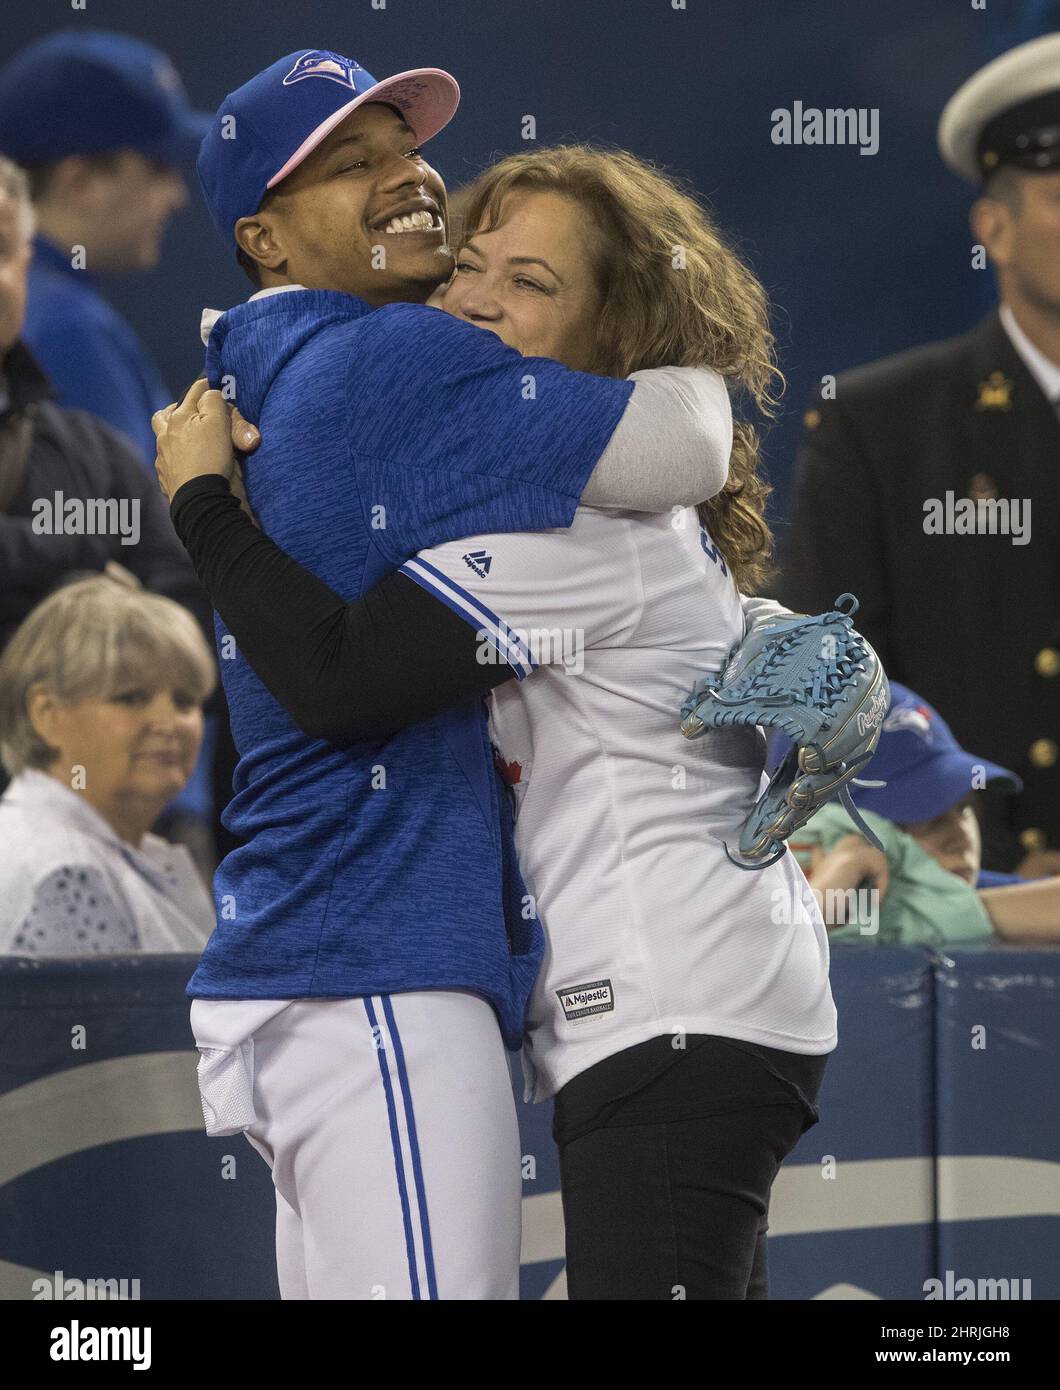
817,680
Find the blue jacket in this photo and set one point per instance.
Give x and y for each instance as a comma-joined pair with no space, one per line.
94,359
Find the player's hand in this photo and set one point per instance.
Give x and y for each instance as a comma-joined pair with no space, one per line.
197,436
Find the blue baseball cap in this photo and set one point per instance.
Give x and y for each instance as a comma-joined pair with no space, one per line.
263,131
91,91
925,768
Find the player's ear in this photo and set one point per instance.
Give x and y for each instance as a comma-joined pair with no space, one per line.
258,237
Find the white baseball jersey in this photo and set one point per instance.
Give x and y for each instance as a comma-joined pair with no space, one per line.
620,819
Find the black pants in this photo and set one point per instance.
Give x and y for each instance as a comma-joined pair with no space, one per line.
666,1180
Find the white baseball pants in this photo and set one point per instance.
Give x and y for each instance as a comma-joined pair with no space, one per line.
391,1131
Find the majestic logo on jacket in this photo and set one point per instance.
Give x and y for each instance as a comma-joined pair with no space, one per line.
585,1001
479,561
322,63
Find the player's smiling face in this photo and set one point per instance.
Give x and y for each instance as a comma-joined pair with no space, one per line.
532,279
364,213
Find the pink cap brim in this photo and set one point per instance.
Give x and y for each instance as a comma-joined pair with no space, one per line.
427,97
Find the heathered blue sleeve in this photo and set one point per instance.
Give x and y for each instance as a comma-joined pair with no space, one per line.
464,434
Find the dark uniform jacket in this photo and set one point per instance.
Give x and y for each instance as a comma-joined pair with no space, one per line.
971,622
46,450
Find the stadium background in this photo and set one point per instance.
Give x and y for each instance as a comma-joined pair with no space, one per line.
862,255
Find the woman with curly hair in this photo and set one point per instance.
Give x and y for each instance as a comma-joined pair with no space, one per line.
681,1027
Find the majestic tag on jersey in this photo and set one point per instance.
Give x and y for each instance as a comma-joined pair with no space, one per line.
583,1001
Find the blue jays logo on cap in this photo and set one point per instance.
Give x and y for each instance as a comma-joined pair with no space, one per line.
322,63
923,767
917,721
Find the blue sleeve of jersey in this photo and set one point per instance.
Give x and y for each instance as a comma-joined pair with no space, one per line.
465,435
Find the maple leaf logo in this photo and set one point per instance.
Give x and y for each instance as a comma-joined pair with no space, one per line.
511,773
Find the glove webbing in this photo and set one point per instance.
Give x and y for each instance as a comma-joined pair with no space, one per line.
820,686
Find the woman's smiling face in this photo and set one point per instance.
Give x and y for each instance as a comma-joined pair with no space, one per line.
532,279
138,743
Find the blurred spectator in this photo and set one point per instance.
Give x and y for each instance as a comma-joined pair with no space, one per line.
73,495
931,886
964,607
101,694
101,123
45,451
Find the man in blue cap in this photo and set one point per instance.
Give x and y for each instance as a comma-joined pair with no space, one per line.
101,124
375,944
928,885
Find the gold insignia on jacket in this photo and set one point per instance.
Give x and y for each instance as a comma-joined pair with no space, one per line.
995,393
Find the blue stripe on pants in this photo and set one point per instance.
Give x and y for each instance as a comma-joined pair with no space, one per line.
417,1166
399,1164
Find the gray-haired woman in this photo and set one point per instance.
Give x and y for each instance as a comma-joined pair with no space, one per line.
101,694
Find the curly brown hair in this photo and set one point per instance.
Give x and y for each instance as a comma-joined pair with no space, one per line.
675,293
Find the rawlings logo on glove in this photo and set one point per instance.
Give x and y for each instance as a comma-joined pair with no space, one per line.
818,681
873,718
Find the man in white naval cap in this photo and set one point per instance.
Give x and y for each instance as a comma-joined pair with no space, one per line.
930,484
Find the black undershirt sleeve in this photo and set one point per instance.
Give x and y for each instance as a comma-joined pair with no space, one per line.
342,671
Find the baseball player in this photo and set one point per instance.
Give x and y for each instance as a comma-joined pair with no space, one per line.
683,1014
371,958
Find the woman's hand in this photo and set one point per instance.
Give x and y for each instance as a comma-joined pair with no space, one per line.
197,437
